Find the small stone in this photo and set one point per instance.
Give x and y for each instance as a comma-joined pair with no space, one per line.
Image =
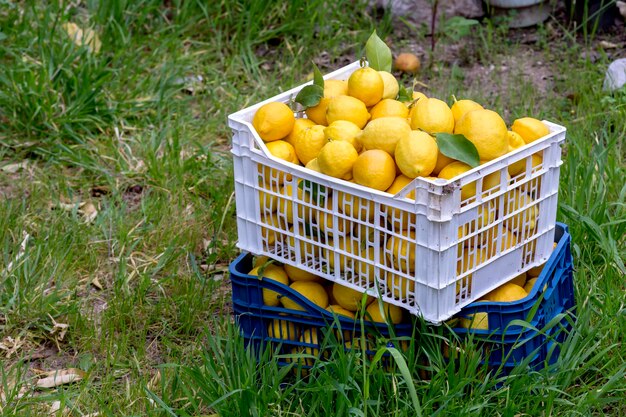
615,77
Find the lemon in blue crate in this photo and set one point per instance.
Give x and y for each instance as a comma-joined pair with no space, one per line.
276,273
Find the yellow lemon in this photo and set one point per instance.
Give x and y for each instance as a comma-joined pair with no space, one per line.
389,108
275,272
391,87
471,258
530,129
336,158
508,240
348,298
407,62
400,219
519,280
380,313
313,165
297,274
515,142
506,293
526,220
384,133
334,88
340,311
326,221
442,161
282,329
298,126
477,321
528,286
270,235
460,107
455,169
260,260
285,204
312,291
492,182
309,143
400,286
375,169
367,85
535,271
416,155
273,121
486,215
283,150
344,130
401,251
347,108
318,112
355,207
487,131
433,116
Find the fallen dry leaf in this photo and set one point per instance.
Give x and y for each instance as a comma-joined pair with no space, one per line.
96,283
608,45
11,346
60,377
83,37
54,407
58,329
13,168
621,5
89,212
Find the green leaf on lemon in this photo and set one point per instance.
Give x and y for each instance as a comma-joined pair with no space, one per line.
318,78
310,95
458,147
378,53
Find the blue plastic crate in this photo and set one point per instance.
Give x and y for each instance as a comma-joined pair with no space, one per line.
298,330
508,343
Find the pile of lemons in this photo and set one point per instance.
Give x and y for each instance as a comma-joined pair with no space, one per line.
361,132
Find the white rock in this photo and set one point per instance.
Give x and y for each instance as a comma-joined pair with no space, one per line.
615,77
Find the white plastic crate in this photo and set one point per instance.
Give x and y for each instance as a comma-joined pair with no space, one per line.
431,255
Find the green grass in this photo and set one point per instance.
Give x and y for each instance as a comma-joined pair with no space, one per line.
143,288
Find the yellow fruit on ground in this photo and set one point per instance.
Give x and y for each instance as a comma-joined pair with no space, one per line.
379,313
355,207
312,291
455,169
375,169
407,62
515,142
340,311
487,131
442,162
367,85
273,121
336,158
348,298
460,107
389,108
299,126
309,143
528,286
282,329
344,130
401,251
433,116
275,272
476,321
400,219
400,286
347,108
334,88
519,280
391,87
506,293
317,113
297,274
416,155
526,220
530,129
384,133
